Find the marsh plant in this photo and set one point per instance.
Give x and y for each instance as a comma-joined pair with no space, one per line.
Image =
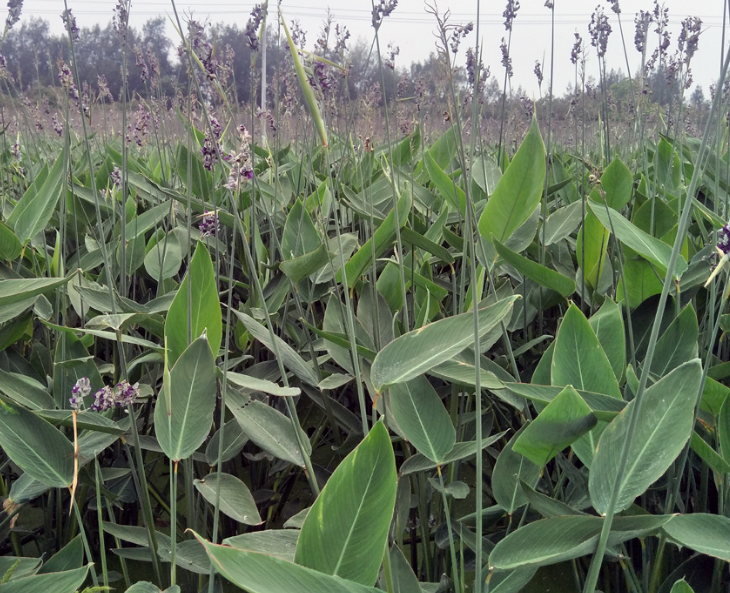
290,345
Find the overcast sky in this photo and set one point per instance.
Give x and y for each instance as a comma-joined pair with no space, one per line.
412,29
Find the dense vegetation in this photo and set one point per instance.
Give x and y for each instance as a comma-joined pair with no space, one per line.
347,344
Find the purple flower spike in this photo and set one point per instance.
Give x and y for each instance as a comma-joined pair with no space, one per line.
723,239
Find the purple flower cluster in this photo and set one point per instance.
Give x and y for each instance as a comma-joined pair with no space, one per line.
211,147
57,125
599,29
16,152
202,48
209,224
15,7
116,177
121,395
120,20
4,72
144,72
69,21
104,92
141,126
382,10
252,27
723,239
241,167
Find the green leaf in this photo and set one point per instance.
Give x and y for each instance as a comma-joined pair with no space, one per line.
235,497
164,259
401,573
681,586
303,266
281,543
562,422
34,210
557,539
35,446
261,573
268,428
382,239
678,343
518,191
420,350
510,470
592,248
534,271
579,360
300,236
255,384
70,557
701,532
185,405
289,356
608,325
561,223
652,249
21,289
58,582
346,530
465,450
422,418
446,186
664,426
418,240
204,306
618,183
233,442
10,245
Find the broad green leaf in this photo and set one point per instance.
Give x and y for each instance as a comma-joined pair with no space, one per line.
148,219
678,343
556,539
164,259
518,191
289,356
382,239
608,325
70,557
233,442
420,350
707,454
401,573
10,245
35,446
465,450
21,289
534,271
22,567
184,409
592,248
255,384
701,532
418,240
641,282
561,223
604,407
510,469
204,306
654,250
35,209
305,265
281,543
562,422
25,391
261,573
682,586
268,428
422,418
618,183
300,236
579,360
446,186
235,497
663,428
346,530
58,582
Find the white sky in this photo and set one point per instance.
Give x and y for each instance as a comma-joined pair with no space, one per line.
412,29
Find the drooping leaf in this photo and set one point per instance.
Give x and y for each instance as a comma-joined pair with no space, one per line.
235,497
510,470
678,343
422,417
561,423
534,271
36,446
261,573
608,325
184,409
346,530
281,543
268,428
59,582
654,250
663,428
701,532
420,350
